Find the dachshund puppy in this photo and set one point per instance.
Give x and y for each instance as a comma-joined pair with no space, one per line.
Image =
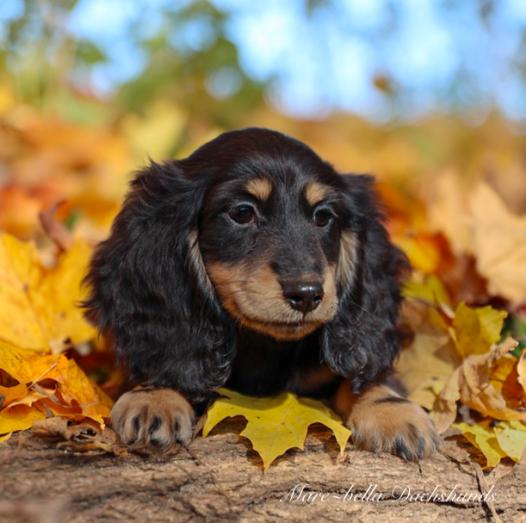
253,264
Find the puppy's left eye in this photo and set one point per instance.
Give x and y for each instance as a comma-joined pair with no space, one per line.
242,214
322,217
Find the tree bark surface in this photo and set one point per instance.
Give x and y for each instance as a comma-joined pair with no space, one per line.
220,478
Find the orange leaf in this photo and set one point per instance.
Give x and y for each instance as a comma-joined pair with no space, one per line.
76,392
76,387
10,394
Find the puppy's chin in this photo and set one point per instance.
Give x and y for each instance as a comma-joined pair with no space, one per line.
254,298
292,330
280,331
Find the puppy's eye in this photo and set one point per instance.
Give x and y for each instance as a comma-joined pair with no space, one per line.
322,217
242,214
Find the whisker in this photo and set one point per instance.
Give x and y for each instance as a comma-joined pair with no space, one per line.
374,315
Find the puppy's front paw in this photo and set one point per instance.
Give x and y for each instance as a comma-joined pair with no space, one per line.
153,418
383,421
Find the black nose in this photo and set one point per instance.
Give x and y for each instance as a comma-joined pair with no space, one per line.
304,297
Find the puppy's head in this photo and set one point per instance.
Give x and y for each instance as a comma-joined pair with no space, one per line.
274,233
254,229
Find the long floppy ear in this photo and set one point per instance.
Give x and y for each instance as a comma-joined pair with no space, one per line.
150,291
362,340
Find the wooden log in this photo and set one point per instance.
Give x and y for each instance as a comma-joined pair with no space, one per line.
220,478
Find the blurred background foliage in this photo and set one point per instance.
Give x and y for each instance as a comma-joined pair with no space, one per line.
90,90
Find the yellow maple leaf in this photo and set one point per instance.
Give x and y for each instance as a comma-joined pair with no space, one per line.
475,329
482,436
511,436
496,440
39,306
19,417
275,424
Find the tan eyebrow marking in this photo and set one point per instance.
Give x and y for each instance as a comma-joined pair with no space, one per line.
259,187
315,192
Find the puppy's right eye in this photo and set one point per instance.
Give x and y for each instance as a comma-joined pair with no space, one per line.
322,217
242,214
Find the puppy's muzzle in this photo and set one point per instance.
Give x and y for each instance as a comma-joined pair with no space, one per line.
302,296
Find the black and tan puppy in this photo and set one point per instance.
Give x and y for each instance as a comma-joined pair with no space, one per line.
253,264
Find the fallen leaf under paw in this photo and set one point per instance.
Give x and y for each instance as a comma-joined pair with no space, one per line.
275,424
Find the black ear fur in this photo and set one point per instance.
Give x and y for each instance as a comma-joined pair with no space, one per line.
362,340
149,292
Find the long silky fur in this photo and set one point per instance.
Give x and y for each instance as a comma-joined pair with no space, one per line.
147,292
362,340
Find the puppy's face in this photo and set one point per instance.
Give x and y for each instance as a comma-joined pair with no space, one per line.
273,244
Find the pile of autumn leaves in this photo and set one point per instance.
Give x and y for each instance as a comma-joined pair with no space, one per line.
39,322
461,365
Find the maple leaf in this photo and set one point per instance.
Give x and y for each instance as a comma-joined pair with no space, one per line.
496,440
482,436
476,329
511,436
275,424
19,417
39,306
